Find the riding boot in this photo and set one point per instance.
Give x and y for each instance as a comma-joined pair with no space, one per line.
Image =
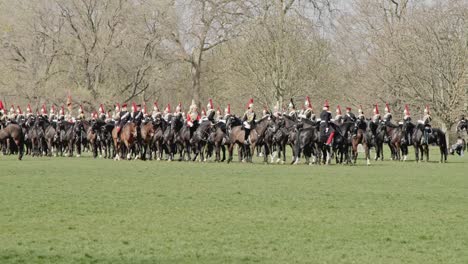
246,136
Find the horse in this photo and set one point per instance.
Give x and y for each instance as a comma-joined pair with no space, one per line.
364,137
200,139
237,136
147,130
14,132
462,131
436,137
125,142
66,137
81,128
219,139
36,135
51,138
306,142
341,142
395,135
160,126
181,138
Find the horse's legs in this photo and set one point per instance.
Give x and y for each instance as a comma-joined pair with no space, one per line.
223,148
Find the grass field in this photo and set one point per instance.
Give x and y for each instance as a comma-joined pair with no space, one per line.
62,210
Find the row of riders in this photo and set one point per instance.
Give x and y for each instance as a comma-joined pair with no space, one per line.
141,134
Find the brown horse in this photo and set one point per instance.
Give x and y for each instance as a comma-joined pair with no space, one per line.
147,137
361,138
128,136
236,136
13,131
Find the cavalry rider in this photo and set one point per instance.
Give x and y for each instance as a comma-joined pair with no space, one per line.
144,111
123,118
178,110
376,118
20,116
325,120
265,112
227,113
52,114
360,121
29,111
136,116
61,116
12,114
2,113
156,113
387,118
292,109
193,118
407,123
219,115
248,121
43,114
307,112
109,118
426,121
81,115
116,116
167,113
210,113
102,113
349,116
339,115
193,115
276,110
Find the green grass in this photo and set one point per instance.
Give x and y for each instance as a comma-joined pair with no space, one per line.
62,210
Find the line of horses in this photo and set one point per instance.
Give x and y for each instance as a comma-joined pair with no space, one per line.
162,139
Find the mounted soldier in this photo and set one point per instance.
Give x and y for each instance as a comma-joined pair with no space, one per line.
3,117
349,116
325,121
12,115
109,118
265,112
123,118
387,118
360,121
292,109
248,121
339,115
227,113
116,116
210,112
52,114
426,122
307,112
219,115
61,115
20,118
136,116
29,111
102,112
167,115
193,117
406,124
156,113
43,114
81,115
178,110
276,110
376,118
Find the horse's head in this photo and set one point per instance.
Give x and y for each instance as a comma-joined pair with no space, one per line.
176,123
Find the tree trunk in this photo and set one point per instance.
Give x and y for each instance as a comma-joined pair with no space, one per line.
196,74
